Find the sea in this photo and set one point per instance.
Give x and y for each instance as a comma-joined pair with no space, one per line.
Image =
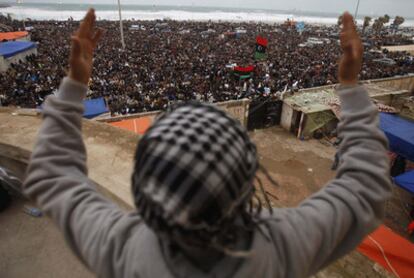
63,11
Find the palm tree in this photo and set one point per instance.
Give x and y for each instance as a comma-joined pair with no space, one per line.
398,20
5,28
386,18
367,22
340,20
378,24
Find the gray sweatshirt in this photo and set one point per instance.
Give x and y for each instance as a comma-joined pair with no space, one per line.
293,242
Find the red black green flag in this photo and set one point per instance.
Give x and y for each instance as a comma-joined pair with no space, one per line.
244,72
261,46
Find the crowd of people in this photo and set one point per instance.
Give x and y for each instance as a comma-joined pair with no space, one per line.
167,61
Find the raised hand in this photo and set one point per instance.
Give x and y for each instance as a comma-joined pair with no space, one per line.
351,61
84,42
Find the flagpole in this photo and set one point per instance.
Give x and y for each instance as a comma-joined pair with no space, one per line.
357,9
121,25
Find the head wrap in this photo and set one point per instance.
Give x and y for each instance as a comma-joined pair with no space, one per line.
194,171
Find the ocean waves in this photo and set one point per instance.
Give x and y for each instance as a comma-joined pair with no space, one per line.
37,13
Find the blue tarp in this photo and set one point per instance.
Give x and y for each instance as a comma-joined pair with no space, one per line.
406,181
9,49
400,133
95,107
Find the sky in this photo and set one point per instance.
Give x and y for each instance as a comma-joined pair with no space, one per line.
367,7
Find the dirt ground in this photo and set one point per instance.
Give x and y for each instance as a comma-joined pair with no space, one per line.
35,246
302,168
299,167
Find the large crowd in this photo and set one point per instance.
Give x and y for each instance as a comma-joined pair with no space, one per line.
167,61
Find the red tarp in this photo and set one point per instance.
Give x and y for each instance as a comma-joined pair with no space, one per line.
8,36
244,70
262,41
138,126
398,251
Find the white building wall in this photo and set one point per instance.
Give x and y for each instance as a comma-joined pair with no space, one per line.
287,115
5,63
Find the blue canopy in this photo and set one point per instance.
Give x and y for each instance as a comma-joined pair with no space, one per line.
400,133
95,107
406,181
9,49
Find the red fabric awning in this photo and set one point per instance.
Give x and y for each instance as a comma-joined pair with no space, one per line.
8,36
391,251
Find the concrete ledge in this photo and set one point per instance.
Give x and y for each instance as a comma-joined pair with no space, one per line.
236,108
110,151
297,108
408,48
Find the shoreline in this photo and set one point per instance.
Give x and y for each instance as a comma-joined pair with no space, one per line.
314,23
179,14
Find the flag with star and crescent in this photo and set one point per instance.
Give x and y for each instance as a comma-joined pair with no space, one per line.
261,47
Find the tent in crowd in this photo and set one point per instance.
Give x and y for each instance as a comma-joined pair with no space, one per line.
400,133
406,181
13,36
399,253
15,51
95,107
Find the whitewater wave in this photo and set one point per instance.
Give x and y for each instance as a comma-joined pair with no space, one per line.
179,15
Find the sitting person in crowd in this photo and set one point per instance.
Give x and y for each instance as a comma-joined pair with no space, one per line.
193,186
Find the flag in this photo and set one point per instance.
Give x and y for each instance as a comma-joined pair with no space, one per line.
261,46
244,72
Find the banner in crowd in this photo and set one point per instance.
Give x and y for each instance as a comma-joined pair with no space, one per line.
261,46
300,26
244,72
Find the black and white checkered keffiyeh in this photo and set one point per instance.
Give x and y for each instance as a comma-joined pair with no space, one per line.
194,171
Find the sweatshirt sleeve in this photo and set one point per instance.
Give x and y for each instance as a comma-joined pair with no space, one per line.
95,228
335,220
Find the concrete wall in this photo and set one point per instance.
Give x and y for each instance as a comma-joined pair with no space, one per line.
398,83
110,151
152,115
14,159
5,63
238,109
408,48
287,116
405,84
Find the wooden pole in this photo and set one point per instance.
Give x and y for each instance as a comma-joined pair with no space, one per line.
302,117
121,27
